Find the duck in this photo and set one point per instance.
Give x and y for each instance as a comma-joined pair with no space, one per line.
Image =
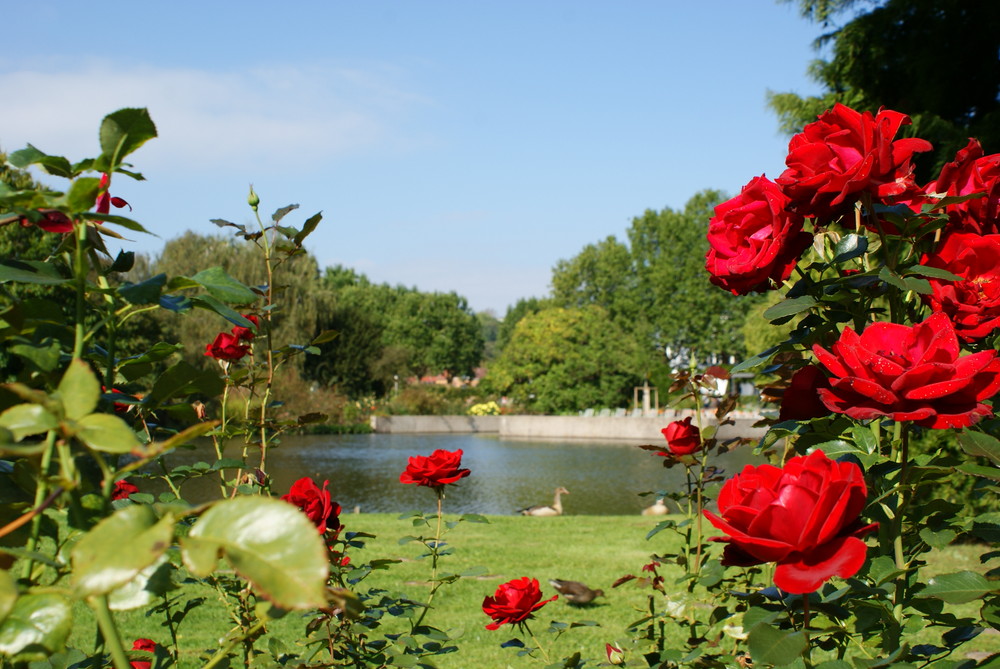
545,510
657,509
575,592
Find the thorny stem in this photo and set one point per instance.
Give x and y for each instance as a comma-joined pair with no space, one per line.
230,643
269,300
435,584
533,638
41,490
110,632
903,500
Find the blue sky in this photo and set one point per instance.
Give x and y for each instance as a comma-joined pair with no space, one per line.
463,146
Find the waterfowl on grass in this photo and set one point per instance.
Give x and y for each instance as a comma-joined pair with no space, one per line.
575,592
545,510
657,509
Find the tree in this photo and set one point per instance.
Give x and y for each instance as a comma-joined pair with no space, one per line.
439,332
523,307
564,360
935,60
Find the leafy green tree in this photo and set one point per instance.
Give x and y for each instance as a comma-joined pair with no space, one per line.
935,60
489,325
520,309
563,360
439,332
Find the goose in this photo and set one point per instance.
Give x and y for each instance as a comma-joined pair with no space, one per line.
544,510
658,509
575,592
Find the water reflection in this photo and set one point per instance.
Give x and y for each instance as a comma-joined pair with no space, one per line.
363,470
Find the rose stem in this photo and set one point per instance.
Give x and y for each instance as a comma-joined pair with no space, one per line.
434,559
533,638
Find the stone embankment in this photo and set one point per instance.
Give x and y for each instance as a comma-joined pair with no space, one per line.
605,428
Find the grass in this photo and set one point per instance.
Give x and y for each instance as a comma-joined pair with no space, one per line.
596,550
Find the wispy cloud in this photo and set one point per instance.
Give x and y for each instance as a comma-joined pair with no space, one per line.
310,113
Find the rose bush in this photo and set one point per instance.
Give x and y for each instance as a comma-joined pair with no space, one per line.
973,304
909,373
682,437
803,517
514,602
436,470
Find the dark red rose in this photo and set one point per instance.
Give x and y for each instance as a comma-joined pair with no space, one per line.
120,407
682,437
971,172
147,645
844,154
909,373
973,305
123,489
804,517
315,503
104,199
226,347
437,470
514,602
246,334
754,242
801,399
50,221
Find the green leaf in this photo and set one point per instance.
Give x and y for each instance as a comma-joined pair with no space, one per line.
918,286
957,588
224,287
211,304
26,419
990,611
118,548
8,593
268,542
82,194
36,626
55,165
30,271
770,646
892,278
79,390
307,228
980,444
284,211
107,433
323,337
789,307
934,273
183,379
44,356
124,131
148,586
850,246
144,292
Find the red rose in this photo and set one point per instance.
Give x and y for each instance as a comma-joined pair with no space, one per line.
123,489
147,645
246,334
50,221
315,503
971,172
434,471
682,437
844,154
754,241
802,517
973,305
104,199
226,347
909,373
514,602
801,399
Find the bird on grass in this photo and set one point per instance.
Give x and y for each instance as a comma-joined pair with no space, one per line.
575,592
545,510
657,509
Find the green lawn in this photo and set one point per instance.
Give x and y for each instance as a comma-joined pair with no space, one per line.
596,550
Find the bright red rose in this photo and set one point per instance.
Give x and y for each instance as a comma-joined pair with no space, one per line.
315,503
434,471
147,645
801,399
226,347
909,373
50,221
971,172
104,199
246,334
804,517
844,154
753,240
123,489
973,305
514,602
682,437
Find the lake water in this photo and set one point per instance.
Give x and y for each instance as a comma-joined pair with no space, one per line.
363,470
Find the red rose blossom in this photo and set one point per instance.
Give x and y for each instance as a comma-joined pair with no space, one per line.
801,399
147,645
226,347
50,221
973,305
804,517
909,373
315,503
514,602
682,437
123,489
844,154
436,470
971,172
104,199
753,239
246,334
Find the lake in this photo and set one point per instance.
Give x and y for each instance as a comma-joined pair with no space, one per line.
363,470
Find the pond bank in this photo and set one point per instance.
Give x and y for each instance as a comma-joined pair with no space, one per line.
625,428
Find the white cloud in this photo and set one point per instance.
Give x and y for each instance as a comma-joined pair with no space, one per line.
214,119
